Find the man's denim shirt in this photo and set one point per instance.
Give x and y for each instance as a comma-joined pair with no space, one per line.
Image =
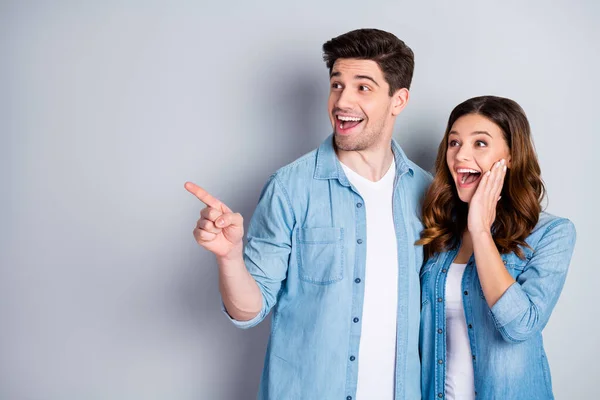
509,361
306,250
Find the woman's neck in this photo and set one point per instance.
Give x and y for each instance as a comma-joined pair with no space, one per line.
466,249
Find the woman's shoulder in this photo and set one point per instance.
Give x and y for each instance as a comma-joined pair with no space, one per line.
552,235
551,227
549,221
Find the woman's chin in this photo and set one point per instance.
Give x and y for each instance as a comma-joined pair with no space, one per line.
465,197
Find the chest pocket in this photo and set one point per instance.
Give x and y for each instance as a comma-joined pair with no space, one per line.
320,255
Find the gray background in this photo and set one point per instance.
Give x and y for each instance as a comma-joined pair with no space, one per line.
106,110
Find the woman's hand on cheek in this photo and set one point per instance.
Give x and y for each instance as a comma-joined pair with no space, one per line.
482,208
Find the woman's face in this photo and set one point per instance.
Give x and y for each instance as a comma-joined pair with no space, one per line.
474,144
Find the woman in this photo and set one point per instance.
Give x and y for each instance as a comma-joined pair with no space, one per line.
494,262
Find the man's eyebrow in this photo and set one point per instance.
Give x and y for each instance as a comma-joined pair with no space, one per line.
358,77
366,77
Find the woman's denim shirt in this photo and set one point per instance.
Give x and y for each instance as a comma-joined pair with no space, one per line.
509,361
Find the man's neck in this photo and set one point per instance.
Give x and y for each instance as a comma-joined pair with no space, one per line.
372,163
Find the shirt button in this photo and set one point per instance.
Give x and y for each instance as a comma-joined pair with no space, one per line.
440,395
444,270
358,205
470,326
352,358
349,398
440,299
440,361
466,292
357,280
473,357
504,261
440,330
359,241
355,319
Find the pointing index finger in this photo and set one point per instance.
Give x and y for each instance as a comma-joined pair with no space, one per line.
204,196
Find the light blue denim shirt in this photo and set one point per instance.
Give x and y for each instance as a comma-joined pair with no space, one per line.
307,251
509,361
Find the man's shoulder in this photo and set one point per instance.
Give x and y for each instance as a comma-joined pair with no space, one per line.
421,176
421,179
294,181
419,173
303,166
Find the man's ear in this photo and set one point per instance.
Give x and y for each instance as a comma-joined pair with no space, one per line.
399,101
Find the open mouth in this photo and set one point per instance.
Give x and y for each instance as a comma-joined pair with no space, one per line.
345,123
468,176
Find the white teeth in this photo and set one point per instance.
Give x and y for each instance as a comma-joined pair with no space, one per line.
341,118
466,173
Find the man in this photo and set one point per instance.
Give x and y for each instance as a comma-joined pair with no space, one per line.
331,243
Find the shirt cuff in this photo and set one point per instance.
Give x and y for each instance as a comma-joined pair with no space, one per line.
510,305
245,324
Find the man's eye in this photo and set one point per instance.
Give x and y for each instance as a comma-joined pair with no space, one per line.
336,85
364,88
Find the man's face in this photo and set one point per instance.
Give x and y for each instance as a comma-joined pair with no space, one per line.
360,108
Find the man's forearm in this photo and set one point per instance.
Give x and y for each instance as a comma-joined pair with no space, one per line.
240,293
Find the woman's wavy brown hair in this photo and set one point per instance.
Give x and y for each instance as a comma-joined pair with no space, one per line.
517,213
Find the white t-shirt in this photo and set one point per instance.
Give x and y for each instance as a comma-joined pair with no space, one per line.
459,362
377,349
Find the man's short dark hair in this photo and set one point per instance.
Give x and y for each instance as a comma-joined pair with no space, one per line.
393,56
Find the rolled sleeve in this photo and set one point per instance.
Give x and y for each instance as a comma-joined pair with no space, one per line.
525,308
250,323
513,303
267,252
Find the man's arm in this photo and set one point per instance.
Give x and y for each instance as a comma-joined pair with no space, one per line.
220,231
240,293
